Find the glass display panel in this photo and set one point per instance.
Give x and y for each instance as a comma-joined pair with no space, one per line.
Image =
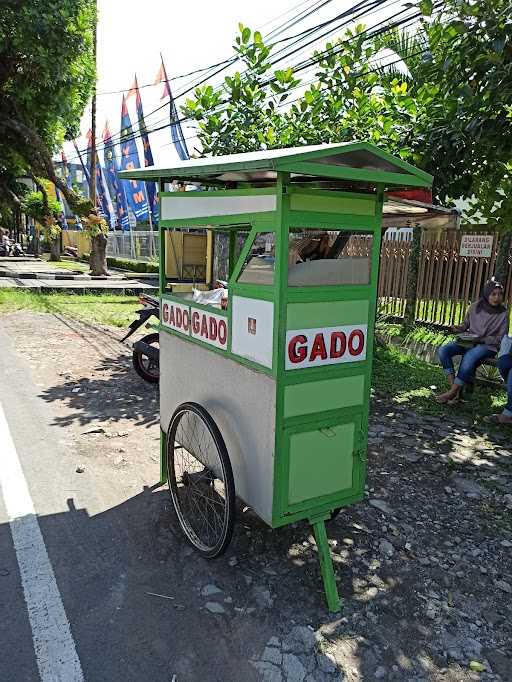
329,258
221,251
258,267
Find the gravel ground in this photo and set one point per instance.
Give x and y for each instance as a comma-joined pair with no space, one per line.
424,564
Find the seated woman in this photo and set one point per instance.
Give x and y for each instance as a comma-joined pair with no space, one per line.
505,367
487,321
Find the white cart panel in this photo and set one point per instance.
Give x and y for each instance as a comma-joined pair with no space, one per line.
241,401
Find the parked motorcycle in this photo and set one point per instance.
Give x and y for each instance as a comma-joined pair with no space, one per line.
10,248
17,249
146,351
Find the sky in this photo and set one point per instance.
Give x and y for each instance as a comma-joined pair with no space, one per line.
190,35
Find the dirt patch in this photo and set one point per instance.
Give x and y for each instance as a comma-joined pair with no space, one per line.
86,373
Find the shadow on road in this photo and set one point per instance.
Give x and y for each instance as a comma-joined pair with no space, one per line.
113,393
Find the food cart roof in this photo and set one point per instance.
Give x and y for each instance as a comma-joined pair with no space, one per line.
350,161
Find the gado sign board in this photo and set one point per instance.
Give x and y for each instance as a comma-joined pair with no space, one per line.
476,245
325,346
195,322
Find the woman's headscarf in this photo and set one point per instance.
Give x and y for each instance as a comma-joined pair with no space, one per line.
483,304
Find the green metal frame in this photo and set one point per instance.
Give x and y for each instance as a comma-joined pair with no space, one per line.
317,209
281,295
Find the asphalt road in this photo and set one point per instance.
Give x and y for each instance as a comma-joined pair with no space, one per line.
84,578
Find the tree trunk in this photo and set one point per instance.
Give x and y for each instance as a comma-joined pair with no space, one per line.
98,256
35,243
502,264
412,279
55,250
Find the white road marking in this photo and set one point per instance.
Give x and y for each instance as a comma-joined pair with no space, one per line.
54,646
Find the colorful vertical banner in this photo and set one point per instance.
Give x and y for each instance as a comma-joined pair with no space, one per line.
151,188
177,136
135,191
116,185
103,198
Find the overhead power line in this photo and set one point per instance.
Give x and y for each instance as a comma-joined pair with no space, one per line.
347,13
228,62
224,62
380,28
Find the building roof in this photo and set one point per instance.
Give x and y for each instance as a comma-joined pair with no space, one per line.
349,161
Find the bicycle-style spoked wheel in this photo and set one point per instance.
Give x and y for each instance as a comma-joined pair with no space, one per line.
200,479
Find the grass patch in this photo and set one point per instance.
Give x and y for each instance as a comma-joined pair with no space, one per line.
407,380
132,265
433,337
70,265
109,309
420,334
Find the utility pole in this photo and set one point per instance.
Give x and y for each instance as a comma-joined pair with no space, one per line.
92,179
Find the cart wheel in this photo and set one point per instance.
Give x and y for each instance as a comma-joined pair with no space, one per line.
200,479
145,367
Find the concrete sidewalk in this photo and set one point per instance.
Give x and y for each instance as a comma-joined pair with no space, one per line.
34,273
35,268
122,286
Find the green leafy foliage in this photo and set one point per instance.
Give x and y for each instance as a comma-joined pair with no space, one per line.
34,206
45,210
446,108
47,74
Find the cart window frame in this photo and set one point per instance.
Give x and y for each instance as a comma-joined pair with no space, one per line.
244,253
368,232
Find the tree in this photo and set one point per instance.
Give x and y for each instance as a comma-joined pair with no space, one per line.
346,102
241,116
46,211
47,75
465,137
450,113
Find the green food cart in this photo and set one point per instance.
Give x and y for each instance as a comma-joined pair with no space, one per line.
264,395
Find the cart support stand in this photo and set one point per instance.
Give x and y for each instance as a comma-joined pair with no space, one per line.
326,567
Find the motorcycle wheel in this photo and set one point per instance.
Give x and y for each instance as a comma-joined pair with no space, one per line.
143,365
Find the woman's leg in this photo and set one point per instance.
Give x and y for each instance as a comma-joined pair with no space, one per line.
446,353
471,360
505,367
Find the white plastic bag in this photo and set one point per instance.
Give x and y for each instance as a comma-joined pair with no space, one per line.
213,298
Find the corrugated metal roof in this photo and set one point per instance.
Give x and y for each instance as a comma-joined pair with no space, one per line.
356,161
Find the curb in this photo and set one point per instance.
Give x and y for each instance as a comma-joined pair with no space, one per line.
64,276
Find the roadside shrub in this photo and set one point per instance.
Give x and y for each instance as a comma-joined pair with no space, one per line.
127,264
